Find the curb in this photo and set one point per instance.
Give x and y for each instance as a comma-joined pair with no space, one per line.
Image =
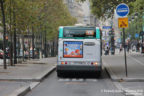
21,92
24,90
110,73
120,79
46,74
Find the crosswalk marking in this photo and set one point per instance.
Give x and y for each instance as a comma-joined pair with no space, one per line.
76,80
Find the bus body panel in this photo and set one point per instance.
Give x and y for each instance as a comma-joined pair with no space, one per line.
91,54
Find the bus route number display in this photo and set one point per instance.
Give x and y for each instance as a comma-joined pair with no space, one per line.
90,32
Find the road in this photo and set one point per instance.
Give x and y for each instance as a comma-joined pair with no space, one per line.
54,86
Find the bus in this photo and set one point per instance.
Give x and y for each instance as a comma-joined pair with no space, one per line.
79,50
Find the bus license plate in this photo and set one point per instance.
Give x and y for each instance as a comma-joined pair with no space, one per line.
77,63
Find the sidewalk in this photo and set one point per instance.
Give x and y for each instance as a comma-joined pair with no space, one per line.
17,80
117,52
115,65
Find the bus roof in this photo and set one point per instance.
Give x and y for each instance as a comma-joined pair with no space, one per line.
78,27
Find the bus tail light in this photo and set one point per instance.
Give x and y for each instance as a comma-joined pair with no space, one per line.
62,63
95,63
91,63
65,62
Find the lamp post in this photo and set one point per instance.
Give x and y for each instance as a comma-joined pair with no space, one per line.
132,19
136,16
129,29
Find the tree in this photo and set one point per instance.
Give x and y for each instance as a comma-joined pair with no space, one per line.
35,17
105,8
4,32
137,23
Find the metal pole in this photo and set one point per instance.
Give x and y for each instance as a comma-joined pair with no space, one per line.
4,34
125,52
142,39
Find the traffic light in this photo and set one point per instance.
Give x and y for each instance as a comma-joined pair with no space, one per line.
6,37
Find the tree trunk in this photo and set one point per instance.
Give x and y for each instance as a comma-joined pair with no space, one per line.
11,52
4,33
29,44
33,44
40,44
15,48
11,44
23,46
45,45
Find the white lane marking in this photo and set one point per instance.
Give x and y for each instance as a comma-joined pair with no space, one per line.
91,80
137,61
128,91
74,80
77,80
64,80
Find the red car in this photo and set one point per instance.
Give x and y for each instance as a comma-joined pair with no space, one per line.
1,54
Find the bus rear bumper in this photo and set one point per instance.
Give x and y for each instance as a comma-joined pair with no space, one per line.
78,68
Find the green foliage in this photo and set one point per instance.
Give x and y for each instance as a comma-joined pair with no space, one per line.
136,25
39,15
139,6
105,8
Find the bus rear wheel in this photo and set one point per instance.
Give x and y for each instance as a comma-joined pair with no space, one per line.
59,74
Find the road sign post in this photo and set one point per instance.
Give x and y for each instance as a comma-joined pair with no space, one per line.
125,57
122,10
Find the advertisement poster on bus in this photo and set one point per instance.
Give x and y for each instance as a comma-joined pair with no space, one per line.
73,49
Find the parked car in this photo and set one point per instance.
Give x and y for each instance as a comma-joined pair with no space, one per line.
36,55
7,53
1,54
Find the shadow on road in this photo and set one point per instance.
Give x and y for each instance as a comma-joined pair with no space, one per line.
86,75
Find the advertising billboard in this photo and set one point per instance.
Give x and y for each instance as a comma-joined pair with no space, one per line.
73,49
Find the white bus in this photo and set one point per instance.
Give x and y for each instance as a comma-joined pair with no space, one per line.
79,50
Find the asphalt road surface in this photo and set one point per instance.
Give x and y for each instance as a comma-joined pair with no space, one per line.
54,86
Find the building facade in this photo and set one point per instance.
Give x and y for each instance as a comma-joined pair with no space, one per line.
79,10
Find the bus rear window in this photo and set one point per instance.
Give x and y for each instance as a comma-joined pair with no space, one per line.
88,33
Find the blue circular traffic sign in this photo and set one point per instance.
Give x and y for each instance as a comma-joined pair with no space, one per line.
122,10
